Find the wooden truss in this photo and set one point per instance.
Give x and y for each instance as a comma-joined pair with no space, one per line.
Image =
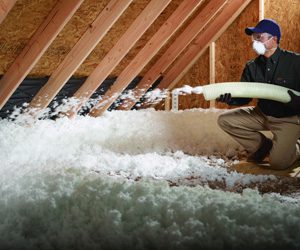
5,7
40,41
204,27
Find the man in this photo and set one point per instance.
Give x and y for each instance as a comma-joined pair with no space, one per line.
274,66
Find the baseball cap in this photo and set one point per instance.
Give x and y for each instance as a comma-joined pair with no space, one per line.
265,26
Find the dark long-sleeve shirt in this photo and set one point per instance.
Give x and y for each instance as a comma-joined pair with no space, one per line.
282,68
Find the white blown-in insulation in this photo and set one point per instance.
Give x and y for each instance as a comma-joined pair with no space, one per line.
101,183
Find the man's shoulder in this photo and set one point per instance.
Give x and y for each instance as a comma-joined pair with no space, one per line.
250,62
288,53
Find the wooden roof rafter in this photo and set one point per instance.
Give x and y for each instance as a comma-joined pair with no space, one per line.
118,52
214,30
36,47
174,50
5,7
158,40
93,35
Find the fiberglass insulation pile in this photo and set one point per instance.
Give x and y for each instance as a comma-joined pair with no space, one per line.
102,183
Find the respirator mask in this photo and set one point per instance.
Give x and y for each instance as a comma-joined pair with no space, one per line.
258,46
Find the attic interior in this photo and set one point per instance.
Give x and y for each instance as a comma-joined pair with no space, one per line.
138,52
93,155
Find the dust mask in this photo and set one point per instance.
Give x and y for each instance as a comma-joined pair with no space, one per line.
260,47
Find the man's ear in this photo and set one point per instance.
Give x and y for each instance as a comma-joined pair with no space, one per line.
276,39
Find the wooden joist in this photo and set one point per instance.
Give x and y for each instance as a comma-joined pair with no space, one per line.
118,52
214,30
158,40
80,52
212,68
181,42
261,9
38,44
5,7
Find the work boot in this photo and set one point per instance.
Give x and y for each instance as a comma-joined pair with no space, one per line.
262,152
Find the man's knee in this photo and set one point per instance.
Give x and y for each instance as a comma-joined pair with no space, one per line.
223,121
226,121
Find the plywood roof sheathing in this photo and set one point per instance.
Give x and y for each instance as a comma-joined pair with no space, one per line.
158,40
228,14
117,53
5,7
40,41
175,49
80,52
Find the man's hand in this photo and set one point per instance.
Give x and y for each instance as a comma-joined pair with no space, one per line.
294,104
226,98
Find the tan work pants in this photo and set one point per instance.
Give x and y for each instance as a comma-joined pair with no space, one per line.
245,124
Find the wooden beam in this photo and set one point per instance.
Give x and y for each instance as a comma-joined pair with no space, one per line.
168,101
261,9
212,68
181,42
117,53
222,21
212,62
40,41
158,40
5,7
80,52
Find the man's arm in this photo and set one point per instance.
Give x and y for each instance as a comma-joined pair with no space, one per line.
294,104
226,97
244,78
